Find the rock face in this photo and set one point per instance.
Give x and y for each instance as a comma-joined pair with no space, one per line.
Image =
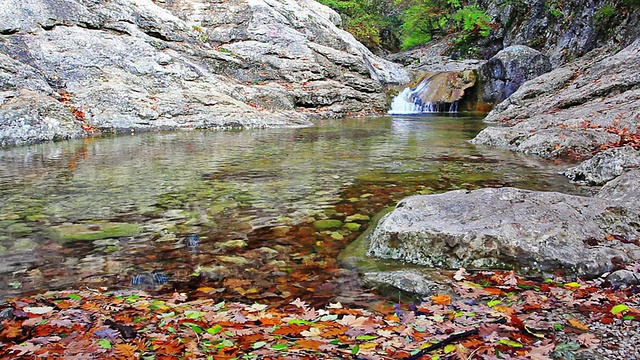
142,65
563,30
503,74
572,111
535,232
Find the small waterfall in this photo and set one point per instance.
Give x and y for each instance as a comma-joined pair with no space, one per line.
436,93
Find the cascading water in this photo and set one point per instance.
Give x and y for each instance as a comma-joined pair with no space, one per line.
436,93
406,102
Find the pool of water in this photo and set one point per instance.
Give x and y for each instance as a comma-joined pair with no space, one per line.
235,214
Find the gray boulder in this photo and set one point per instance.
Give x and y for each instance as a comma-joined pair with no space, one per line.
604,166
573,111
533,232
140,65
505,72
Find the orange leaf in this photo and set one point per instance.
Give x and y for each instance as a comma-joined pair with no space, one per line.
578,325
125,349
309,344
493,291
441,299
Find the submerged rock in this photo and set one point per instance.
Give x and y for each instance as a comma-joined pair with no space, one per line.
534,232
410,281
94,231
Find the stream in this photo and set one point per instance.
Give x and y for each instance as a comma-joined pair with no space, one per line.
247,215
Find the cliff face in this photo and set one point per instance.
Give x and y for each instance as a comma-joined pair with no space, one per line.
136,65
562,30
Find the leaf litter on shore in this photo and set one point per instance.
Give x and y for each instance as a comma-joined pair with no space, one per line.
493,315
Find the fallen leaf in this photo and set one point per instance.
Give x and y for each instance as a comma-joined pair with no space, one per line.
589,340
38,309
441,299
578,325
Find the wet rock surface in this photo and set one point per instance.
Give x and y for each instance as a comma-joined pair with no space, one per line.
534,232
137,65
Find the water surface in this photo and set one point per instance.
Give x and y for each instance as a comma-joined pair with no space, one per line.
231,214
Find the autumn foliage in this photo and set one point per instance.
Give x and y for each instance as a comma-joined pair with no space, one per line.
487,313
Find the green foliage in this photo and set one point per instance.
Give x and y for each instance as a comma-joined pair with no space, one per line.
367,20
415,22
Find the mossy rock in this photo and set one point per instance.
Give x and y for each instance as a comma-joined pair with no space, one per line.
19,228
327,224
95,231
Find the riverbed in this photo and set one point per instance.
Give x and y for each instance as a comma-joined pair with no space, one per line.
243,215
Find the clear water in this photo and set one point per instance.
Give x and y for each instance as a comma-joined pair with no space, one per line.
230,214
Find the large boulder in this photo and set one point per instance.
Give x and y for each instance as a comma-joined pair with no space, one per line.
137,65
573,111
534,232
503,74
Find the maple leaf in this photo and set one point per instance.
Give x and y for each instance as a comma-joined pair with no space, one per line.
441,299
239,318
126,350
540,352
299,303
24,349
589,340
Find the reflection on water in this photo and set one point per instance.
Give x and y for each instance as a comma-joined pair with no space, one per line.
230,214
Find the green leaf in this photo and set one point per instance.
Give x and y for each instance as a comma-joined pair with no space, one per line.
280,347
449,348
355,350
193,314
195,327
259,344
74,297
619,308
299,322
226,343
105,343
509,342
366,337
493,303
334,342
171,330
558,327
573,285
214,330
629,317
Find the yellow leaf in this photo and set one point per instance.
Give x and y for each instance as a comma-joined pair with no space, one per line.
449,348
578,325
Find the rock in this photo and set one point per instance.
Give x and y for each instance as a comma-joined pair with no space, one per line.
327,224
28,117
572,111
623,190
604,166
139,65
505,72
623,277
411,281
94,231
215,273
534,232
561,31
231,244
